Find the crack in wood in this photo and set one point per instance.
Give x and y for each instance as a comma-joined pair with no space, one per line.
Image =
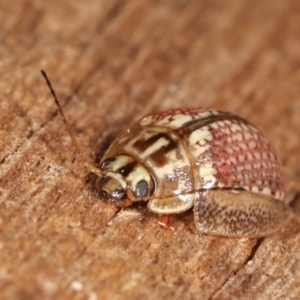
240,267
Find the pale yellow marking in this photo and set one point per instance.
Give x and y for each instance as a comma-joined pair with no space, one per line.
243,146
225,130
245,127
241,158
237,137
146,121
121,161
209,137
257,155
248,167
248,135
235,127
205,114
214,125
201,150
214,112
272,157
178,120
266,191
229,139
156,146
172,205
235,148
118,177
228,150
198,136
233,159
137,175
207,174
249,156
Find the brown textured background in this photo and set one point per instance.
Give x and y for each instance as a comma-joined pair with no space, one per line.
112,62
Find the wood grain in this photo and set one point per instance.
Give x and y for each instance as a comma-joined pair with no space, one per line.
112,62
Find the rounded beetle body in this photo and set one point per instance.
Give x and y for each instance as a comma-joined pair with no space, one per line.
215,161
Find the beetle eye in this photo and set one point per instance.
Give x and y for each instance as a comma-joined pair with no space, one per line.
107,162
141,189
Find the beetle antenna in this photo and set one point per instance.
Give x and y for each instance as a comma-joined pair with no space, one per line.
67,124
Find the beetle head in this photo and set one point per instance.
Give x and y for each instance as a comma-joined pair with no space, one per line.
125,180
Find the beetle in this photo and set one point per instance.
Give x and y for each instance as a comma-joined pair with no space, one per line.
216,162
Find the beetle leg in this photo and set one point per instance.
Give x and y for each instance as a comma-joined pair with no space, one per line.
166,221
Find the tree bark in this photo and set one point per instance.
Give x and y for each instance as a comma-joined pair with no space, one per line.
112,62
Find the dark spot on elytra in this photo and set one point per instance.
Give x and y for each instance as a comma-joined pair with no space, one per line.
143,144
159,157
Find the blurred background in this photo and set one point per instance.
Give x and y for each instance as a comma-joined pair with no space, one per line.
112,62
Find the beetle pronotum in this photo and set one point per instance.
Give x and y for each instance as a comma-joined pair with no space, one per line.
211,160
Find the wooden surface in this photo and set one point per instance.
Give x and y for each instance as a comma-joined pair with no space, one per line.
112,62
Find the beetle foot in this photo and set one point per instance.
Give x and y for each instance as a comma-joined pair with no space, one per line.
166,222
